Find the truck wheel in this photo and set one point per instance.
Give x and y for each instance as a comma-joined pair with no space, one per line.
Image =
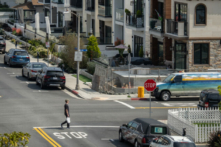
165,96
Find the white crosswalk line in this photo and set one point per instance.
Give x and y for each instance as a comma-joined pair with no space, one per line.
178,104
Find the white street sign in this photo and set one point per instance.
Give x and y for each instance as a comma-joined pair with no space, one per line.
78,56
47,44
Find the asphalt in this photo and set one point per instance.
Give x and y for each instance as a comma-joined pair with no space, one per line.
94,123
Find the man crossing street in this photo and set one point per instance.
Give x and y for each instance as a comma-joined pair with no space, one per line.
67,114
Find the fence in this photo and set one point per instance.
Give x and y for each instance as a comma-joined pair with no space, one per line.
208,121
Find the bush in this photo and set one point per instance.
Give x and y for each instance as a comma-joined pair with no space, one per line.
14,33
36,42
18,32
13,40
13,29
93,50
215,139
139,13
24,39
91,67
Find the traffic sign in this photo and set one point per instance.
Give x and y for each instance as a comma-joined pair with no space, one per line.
82,50
150,85
78,56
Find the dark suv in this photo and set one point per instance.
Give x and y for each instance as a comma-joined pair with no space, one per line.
51,76
209,98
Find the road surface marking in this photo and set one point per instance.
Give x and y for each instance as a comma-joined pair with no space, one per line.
39,132
162,107
125,104
49,137
178,104
47,127
70,135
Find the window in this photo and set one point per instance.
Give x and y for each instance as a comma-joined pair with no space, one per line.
180,12
200,14
134,126
178,78
158,130
201,53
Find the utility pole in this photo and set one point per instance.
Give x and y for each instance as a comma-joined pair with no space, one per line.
78,62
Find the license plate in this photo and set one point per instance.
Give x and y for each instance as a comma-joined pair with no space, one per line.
21,59
55,78
54,84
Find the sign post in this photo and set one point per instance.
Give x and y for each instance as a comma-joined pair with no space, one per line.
129,60
150,85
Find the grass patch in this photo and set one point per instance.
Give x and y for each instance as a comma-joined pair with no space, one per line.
83,78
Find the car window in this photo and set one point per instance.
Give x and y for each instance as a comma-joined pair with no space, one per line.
20,53
134,126
129,124
166,141
183,144
178,78
10,51
38,65
213,97
55,73
168,79
140,128
158,130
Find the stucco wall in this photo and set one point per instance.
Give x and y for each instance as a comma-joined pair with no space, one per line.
212,29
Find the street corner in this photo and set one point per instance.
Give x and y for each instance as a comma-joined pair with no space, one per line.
92,136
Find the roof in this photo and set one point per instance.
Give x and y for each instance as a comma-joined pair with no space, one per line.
180,138
36,3
196,73
25,6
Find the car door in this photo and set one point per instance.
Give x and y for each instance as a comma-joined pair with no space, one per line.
7,55
125,131
26,69
132,134
176,87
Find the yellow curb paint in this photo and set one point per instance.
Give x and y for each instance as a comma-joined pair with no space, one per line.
162,107
49,137
36,129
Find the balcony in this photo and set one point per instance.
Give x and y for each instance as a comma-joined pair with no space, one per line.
105,40
58,1
177,29
63,3
89,5
76,3
156,27
105,11
120,14
135,22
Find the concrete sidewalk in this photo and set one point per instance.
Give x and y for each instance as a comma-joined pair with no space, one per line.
85,91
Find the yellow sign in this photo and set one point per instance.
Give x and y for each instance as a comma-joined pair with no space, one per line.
219,89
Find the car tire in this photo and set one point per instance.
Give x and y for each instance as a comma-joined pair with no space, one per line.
5,61
42,85
37,81
62,87
3,52
9,63
165,96
28,76
136,144
22,72
121,139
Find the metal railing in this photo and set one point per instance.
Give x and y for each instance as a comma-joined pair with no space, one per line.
172,27
134,21
105,11
105,40
90,5
120,14
47,1
76,3
58,1
156,25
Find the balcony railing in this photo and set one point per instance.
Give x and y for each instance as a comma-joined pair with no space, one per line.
177,28
58,1
48,1
105,11
76,3
134,21
156,25
120,14
90,5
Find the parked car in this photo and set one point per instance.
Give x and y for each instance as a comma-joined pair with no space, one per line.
141,131
16,57
172,141
139,61
2,45
209,98
30,70
50,76
186,84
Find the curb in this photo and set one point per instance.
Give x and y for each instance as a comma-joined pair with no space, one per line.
139,99
74,92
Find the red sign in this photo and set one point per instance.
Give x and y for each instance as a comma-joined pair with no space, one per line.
150,85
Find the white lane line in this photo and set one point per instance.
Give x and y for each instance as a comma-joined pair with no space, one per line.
79,127
125,104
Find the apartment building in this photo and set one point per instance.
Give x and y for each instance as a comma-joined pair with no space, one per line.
133,26
188,33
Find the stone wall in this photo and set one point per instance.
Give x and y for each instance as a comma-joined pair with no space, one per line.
214,55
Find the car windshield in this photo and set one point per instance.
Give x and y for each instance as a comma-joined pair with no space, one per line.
168,79
183,144
38,65
158,130
55,73
20,53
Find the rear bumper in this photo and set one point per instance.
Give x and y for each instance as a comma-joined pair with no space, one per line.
19,63
54,84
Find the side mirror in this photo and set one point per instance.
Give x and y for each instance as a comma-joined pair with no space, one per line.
174,81
125,125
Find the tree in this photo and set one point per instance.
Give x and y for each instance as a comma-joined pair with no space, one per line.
14,139
93,50
67,55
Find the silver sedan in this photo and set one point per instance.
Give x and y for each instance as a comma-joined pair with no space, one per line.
30,70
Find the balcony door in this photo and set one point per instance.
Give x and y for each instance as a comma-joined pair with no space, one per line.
180,55
180,12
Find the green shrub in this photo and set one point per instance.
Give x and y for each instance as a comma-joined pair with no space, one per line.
14,33
127,12
91,67
215,139
139,13
13,40
36,42
93,50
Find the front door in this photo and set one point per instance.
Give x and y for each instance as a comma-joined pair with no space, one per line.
176,87
180,56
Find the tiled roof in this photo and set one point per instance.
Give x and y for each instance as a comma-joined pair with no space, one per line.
36,3
25,6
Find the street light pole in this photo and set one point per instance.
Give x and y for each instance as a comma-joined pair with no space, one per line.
77,84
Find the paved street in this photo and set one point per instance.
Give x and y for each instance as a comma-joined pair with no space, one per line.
94,123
